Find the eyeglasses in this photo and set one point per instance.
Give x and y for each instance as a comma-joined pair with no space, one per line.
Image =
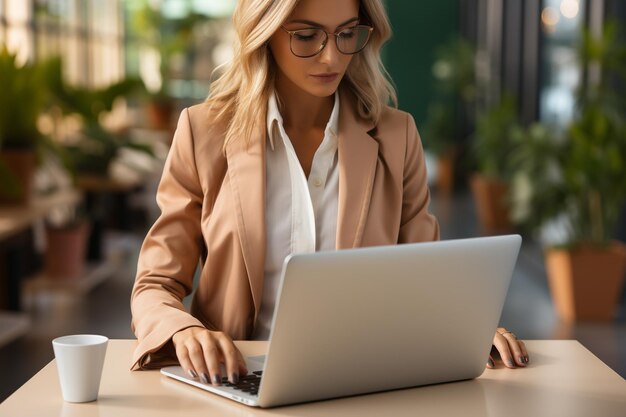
305,43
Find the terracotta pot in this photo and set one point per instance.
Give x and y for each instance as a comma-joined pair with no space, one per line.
21,164
491,207
66,251
586,282
160,114
445,173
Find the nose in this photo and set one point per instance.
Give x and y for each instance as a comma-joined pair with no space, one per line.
330,53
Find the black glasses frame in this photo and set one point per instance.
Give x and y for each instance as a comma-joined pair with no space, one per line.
325,42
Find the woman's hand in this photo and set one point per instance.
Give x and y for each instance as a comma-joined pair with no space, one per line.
512,351
201,353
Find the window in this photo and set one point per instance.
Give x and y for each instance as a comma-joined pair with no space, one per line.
2,23
86,34
174,45
561,74
106,41
18,29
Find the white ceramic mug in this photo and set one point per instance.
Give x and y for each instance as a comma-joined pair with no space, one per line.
79,361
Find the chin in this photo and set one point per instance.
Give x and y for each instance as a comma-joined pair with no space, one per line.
323,91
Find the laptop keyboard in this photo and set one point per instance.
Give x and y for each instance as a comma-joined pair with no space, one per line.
248,384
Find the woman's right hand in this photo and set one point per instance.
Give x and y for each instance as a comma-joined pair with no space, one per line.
201,353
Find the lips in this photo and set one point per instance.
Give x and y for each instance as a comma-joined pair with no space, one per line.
325,77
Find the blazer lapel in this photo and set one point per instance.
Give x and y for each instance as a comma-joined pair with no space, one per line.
358,156
246,172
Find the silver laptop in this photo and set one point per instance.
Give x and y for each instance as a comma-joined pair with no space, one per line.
375,319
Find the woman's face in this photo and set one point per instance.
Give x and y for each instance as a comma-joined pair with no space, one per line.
320,74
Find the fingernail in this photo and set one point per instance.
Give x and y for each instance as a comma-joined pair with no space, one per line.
192,373
234,378
526,359
522,360
491,363
510,363
204,378
217,380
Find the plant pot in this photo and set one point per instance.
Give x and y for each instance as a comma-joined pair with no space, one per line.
586,282
65,251
491,206
445,173
159,114
21,165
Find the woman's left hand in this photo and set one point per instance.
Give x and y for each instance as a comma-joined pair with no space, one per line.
512,351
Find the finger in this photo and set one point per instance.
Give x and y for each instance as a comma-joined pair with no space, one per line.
196,356
183,358
231,358
212,356
243,367
490,363
522,346
514,347
504,350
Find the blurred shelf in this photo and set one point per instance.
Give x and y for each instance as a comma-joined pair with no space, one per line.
12,326
94,275
14,219
98,184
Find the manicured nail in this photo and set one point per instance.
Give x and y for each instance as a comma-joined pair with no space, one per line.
217,380
526,359
234,378
510,363
192,373
522,360
204,378
491,363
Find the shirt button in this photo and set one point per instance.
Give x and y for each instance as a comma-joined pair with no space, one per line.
317,182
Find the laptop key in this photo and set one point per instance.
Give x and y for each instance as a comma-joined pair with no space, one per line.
248,384
259,373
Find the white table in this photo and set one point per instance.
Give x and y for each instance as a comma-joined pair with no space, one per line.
563,379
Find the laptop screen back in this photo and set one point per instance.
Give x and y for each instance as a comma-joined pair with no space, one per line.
373,319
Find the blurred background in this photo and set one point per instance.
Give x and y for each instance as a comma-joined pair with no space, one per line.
520,105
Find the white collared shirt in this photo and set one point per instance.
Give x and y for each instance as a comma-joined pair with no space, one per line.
301,214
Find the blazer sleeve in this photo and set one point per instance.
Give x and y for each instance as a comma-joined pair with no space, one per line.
169,256
417,223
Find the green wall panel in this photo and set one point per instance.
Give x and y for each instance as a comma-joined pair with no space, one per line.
419,27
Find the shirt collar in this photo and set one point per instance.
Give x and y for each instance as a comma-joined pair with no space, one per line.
274,116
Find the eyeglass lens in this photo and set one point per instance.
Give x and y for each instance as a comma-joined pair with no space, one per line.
308,42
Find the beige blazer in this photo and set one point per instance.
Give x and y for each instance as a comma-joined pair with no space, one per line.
213,211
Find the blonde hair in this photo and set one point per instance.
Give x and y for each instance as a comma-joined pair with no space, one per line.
243,89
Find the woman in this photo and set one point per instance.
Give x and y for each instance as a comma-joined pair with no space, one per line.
295,150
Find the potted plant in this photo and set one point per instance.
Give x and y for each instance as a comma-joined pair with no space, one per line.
165,39
578,186
21,103
455,88
439,137
578,182
92,147
67,232
492,149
